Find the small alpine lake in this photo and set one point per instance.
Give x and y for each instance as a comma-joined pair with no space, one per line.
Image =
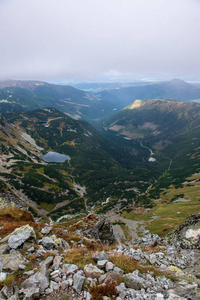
55,157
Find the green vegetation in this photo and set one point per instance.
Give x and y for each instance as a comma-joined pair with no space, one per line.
103,173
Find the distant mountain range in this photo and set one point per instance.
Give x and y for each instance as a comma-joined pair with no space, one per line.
174,89
28,95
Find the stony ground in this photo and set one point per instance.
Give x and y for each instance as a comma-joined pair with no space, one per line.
45,266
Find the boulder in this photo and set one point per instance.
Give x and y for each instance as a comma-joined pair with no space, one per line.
48,243
38,280
187,234
109,266
46,230
101,264
133,281
11,262
21,235
60,243
78,282
100,256
92,271
112,277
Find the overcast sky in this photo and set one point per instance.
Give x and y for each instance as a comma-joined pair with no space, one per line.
95,39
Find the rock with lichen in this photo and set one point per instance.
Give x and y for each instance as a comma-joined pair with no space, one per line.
187,234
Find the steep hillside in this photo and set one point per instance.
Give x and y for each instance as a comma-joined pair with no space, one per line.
28,95
168,130
91,176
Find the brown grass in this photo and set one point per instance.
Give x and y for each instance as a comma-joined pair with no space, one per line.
129,265
98,291
79,256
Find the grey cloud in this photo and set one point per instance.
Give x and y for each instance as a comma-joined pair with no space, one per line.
83,39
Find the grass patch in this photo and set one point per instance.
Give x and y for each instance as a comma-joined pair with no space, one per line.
15,214
47,206
79,257
98,291
129,265
127,232
170,214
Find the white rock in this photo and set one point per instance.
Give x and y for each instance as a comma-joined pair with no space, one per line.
109,266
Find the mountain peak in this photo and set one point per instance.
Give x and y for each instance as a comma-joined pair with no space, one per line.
178,82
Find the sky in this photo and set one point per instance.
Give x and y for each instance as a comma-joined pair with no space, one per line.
99,40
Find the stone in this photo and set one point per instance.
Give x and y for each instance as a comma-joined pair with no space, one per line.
22,267
133,281
173,296
92,271
38,280
48,243
101,264
159,296
109,266
29,273
87,296
8,291
112,277
21,235
31,293
11,262
60,243
118,270
55,273
46,230
40,252
78,282
30,250
4,249
54,285
3,276
48,261
57,260
64,284
102,278
121,287
100,256
69,268
187,234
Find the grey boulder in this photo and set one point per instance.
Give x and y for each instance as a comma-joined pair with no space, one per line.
21,235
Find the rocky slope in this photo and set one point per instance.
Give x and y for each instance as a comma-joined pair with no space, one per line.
43,262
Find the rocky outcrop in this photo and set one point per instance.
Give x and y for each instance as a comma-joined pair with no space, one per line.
19,236
187,234
102,230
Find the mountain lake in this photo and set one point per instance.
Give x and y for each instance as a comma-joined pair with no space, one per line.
55,157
